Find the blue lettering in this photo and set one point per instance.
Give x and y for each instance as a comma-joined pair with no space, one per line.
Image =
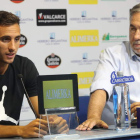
117,80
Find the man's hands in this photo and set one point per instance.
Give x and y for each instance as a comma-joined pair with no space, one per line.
32,129
96,104
90,123
58,125
134,108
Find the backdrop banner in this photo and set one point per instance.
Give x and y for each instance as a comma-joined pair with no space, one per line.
67,36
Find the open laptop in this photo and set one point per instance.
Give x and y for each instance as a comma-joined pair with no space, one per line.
58,93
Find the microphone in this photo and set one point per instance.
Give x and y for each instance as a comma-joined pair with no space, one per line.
27,96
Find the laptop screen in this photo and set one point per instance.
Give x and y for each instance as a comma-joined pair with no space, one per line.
57,91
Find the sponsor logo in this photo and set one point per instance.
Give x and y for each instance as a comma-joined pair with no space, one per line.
84,38
84,79
51,17
83,1
113,0
84,18
113,38
17,1
85,55
124,79
52,40
51,0
114,18
52,35
40,16
83,14
18,13
114,13
52,61
84,61
23,41
22,20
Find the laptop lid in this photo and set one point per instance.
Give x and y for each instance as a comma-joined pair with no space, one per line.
58,93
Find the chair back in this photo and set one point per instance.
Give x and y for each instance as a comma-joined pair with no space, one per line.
83,107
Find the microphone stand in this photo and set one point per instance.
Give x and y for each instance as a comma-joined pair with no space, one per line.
26,94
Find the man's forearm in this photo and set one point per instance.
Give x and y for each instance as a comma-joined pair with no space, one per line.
10,131
96,104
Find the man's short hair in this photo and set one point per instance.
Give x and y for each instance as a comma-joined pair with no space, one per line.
135,9
7,18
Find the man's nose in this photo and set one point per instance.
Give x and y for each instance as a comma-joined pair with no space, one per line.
137,35
12,46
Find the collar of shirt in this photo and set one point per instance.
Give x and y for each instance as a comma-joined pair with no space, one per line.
130,51
134,56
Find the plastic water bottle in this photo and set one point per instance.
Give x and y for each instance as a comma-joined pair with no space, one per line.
121,103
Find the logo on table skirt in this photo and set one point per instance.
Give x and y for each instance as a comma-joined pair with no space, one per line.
23,41
84,79
84,38
52,61
83,1
51,17
17,1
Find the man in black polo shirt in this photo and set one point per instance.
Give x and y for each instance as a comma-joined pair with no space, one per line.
11,89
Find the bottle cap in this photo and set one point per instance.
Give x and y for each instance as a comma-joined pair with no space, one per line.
119,73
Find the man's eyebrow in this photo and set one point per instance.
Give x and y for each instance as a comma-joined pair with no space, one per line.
131,25
18,36
6,36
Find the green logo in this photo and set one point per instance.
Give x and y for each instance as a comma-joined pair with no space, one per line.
108,37
58,94
105,37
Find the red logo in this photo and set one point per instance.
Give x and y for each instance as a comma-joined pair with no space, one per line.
52,61
17,1
40,16
23,41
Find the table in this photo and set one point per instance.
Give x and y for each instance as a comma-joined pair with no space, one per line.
95,134
105,134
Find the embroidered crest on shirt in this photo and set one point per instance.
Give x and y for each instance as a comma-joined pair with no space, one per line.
3,116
